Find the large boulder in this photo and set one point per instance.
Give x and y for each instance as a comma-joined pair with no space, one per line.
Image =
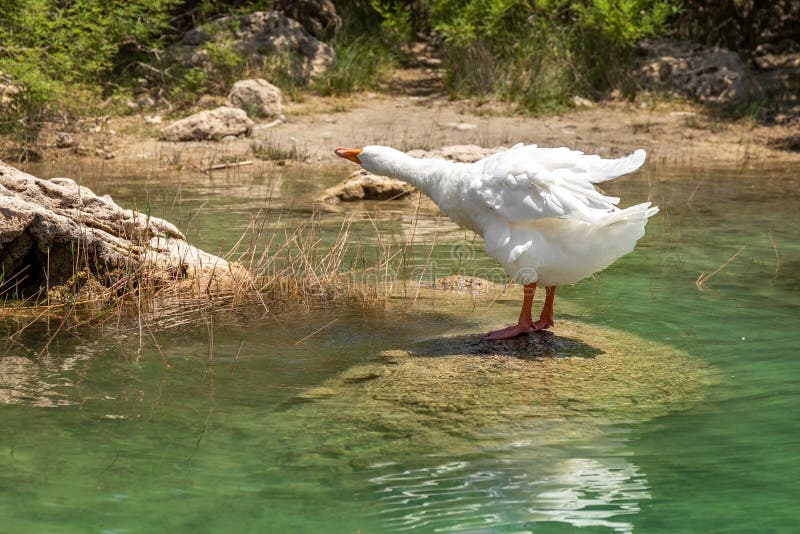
209,124
56,232
691,70
363,185
257,97
263,37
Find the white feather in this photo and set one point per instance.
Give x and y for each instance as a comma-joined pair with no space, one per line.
537,208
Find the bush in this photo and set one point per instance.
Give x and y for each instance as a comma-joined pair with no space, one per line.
74,51
535,52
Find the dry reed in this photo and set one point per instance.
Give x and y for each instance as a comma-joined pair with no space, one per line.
277,270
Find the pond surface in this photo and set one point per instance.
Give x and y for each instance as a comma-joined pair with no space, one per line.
108,432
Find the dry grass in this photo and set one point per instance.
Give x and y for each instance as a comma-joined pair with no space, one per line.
274,270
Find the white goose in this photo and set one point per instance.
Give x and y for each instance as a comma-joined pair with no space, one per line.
536,209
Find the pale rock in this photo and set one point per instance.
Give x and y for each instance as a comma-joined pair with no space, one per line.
257,97
51,230
259,36
209,124
64,140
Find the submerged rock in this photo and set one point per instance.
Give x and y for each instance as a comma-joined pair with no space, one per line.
363,185
463,393
459,282
209,124
56,232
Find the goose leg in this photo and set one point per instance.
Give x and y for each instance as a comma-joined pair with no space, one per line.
546,318
525,323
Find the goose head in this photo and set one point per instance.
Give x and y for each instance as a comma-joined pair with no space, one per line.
381,160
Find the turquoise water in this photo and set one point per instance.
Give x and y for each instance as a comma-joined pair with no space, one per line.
107,432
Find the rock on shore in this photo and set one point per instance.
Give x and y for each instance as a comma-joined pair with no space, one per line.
694,71
261,37
209,125
257,97
53,230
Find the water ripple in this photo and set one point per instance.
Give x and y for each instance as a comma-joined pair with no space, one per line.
466,496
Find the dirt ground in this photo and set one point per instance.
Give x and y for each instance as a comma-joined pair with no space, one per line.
412,112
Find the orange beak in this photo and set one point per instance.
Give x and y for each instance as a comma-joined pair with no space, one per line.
349,153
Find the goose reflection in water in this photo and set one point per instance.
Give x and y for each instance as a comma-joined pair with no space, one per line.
458,496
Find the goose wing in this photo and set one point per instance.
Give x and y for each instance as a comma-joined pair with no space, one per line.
528,183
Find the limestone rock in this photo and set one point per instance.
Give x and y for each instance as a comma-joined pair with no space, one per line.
257,97
694,71
209,124
50,230
317,16
261,37
362,185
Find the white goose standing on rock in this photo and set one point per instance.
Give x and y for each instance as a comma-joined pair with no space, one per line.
536,208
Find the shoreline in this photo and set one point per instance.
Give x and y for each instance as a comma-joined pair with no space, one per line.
675,133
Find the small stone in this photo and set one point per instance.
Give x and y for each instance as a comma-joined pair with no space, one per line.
64,140
462,126
580,102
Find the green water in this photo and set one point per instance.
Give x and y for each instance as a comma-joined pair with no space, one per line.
106,432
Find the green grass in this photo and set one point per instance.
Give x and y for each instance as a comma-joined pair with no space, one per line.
362,63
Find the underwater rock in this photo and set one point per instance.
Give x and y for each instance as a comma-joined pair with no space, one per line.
458,282
52,231
462,393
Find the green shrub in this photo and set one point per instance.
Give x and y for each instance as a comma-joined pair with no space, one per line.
536,52
362,62
74,51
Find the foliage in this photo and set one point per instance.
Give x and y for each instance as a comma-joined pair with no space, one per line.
74,51
362,62
538,52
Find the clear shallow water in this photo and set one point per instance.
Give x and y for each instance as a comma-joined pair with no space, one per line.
101,436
